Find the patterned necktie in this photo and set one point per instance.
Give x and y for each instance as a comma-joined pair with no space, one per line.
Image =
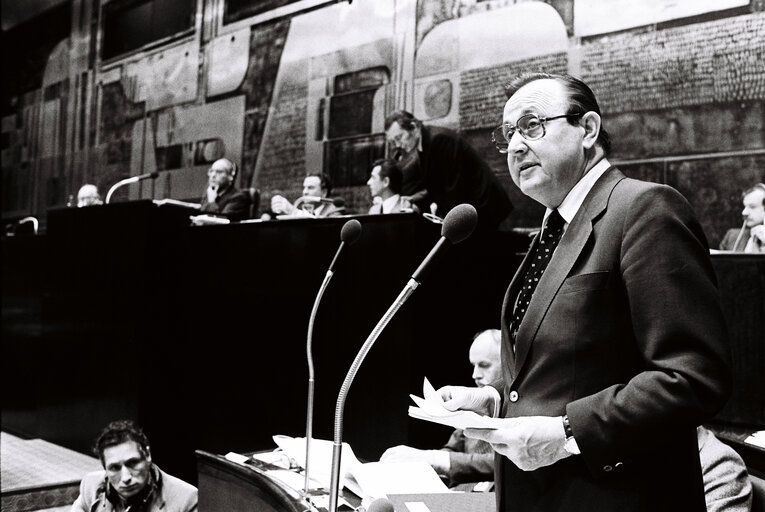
537,265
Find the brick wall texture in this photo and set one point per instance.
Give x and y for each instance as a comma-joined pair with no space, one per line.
717,61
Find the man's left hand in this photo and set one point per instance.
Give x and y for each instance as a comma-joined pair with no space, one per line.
530,442
212,194
758,232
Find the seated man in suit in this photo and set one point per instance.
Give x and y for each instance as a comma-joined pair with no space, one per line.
315,201
385,185
751,236
462,459
130,480
222,197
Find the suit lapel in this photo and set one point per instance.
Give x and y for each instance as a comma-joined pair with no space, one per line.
566,254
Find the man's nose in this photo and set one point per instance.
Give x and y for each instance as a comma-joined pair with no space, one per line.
125,475
517,143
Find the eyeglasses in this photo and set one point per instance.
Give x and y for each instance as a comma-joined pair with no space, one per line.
530,126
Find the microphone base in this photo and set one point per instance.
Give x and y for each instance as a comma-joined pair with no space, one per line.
313,493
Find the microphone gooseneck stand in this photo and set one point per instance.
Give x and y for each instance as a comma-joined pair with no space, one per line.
458,225
309,356
337,444
128,181
348,235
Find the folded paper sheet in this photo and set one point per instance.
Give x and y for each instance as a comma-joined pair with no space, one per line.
366,480
431,408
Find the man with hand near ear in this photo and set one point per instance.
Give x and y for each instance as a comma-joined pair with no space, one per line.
222,197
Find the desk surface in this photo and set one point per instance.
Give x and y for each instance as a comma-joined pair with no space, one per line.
228,486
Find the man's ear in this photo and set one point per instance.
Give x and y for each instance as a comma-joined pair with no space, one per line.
591,124
148,454
386,181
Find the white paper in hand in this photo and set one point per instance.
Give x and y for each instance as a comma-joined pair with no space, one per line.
431,408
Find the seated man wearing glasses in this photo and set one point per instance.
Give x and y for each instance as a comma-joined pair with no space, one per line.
222,197
130,480
441,167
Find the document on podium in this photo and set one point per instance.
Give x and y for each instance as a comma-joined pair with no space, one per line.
366,480
431,408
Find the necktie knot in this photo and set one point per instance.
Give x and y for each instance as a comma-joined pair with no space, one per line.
555,223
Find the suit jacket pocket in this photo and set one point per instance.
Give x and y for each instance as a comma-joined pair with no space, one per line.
585,282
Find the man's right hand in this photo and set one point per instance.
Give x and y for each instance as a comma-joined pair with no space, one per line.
212,193
280,205
438,459
479,400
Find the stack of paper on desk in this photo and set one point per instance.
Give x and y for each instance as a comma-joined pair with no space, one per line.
431,408
373,479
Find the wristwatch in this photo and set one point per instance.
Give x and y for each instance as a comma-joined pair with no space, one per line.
571,446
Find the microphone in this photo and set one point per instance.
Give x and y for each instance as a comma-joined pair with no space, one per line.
458,225
350,232
128,181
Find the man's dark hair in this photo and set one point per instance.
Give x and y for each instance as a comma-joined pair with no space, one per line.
580,96
754,188
405,120
118,432
389,169
326,182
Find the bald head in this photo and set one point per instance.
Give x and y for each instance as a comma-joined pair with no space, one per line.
88,196
485,357
221,173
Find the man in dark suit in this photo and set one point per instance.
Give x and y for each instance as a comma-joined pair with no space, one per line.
222,197
750,237
616,350
441,167
385,186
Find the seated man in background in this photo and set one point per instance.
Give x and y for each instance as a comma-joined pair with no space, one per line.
222,197
130,481
385,186
315,201
463,459
88,196
751,236
726,481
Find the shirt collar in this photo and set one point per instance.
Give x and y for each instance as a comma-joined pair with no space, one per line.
576,196
388,204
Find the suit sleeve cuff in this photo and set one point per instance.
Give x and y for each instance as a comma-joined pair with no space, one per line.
496,398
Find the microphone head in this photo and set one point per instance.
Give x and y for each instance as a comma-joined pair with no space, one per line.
459,223
351,231
381,505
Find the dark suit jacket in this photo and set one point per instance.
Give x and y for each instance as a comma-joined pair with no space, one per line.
625,334
454,173
231,203
728,242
